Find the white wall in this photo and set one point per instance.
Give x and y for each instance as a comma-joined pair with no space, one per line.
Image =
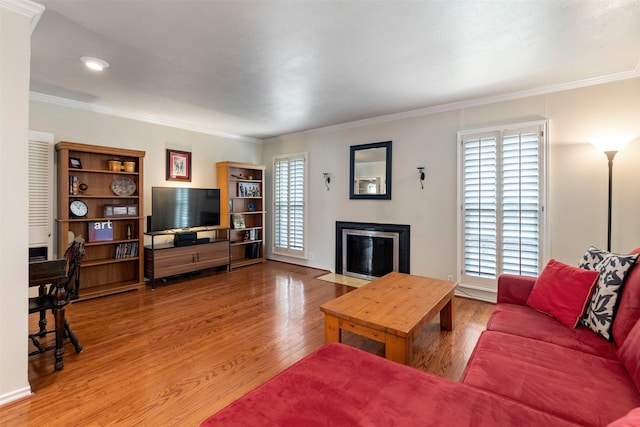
577,175
15,46
69,124
577,171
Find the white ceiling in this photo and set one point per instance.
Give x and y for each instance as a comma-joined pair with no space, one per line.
266,68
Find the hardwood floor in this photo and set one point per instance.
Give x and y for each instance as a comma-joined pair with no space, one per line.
179,353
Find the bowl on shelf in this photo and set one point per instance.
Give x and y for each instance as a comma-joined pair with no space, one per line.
129,166
115,165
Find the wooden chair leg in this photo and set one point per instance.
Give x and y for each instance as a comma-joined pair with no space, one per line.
72,337
42,324
36,343
59,352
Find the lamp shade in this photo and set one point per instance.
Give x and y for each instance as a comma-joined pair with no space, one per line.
611,142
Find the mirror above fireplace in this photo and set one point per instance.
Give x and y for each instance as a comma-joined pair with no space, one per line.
370,171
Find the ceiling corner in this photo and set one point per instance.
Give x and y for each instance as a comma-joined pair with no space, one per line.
26,7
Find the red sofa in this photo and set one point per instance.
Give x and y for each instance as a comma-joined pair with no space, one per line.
527,369
338,385
529,357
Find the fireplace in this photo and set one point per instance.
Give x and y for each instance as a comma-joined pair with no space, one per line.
368,250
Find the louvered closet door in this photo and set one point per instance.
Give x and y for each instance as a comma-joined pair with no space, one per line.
41,191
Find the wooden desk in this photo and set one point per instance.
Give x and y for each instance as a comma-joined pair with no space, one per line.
391,310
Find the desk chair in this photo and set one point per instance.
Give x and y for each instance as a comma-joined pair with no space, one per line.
62,290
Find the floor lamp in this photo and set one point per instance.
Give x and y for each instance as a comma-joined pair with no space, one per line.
611,148
610,155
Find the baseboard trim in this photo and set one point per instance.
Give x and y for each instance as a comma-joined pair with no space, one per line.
15,395
476,292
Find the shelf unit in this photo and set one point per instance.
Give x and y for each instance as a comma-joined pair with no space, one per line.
243,210
165,259
101,272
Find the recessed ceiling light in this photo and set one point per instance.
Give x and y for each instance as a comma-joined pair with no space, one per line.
94,63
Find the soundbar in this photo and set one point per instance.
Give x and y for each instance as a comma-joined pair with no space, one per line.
189,235
191,241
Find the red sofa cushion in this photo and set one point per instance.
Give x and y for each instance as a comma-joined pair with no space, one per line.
562,291
580,387
525,322
632,419
628,312
514,289
341,385
629,354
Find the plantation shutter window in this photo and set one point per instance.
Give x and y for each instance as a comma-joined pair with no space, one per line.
289,205
501,193
521,204
480,206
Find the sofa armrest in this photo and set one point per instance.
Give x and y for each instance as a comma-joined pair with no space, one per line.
514,289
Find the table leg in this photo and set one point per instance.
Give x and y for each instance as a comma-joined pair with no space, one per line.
331,329
398,349
446,315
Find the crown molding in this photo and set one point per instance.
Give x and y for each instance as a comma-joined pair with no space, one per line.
70,103
608,78
26,7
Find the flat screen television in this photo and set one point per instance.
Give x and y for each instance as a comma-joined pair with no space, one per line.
184,208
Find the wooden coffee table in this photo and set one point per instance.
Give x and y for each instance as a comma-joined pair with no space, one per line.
392,310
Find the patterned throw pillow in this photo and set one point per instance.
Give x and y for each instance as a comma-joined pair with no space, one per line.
613,269
592,258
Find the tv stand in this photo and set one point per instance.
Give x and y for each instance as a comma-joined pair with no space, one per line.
198,253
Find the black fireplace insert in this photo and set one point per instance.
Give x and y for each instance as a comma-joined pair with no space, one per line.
370,250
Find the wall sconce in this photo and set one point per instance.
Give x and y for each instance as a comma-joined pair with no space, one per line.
421,176
610,146
327,179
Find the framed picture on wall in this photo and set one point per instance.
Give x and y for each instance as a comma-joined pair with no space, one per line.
178,165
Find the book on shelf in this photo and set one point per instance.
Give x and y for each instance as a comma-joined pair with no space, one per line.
251,235
254,234
73,185
100,231
126,250
252,250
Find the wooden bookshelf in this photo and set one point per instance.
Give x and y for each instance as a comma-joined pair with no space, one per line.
243,210
79,165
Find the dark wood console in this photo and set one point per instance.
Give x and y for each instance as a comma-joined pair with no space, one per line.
164,259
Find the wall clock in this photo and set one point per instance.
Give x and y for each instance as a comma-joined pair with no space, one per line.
78,209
